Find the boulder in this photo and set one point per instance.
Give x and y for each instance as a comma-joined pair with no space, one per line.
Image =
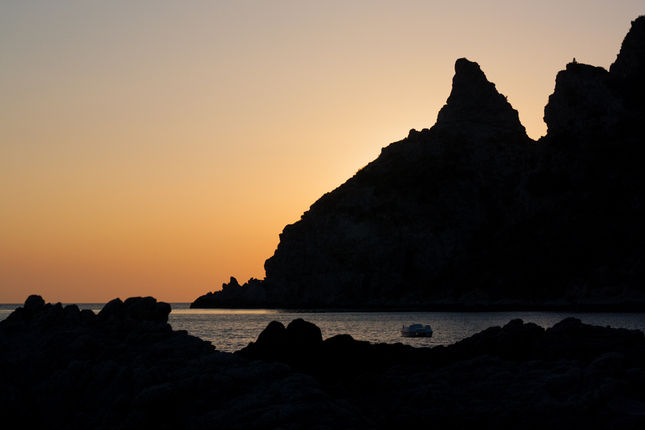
569,376
63,368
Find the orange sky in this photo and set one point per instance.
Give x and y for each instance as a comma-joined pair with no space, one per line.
159,147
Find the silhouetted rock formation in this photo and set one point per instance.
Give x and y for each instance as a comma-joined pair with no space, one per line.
233,295
631,59
125,368
570,376
62,368
474,105
402,220
584,102
473,213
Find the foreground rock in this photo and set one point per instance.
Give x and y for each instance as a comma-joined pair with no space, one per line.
570,376
472,213
62,368
125,368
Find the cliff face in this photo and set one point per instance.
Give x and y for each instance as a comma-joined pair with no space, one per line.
404,218
473,212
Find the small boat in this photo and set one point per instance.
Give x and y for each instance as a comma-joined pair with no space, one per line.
416,330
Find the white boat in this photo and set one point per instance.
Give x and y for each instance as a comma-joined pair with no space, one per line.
416,330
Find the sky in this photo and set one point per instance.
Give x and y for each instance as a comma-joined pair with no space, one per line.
157,148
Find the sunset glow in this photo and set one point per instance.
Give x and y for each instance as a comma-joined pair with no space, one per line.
159,147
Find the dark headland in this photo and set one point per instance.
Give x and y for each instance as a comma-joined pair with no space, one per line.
473,214
470,212
125,368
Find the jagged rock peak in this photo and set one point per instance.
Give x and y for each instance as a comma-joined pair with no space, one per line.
583,102
475,102
589,101
631,58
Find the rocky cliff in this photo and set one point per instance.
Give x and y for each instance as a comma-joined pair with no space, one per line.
474,213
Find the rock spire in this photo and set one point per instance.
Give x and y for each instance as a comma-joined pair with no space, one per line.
475,104
631,58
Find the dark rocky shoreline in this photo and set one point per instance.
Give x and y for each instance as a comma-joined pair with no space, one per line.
126,368
217,301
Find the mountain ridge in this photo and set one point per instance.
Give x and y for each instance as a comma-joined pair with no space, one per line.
473,213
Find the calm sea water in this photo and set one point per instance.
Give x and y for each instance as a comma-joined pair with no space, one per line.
231,330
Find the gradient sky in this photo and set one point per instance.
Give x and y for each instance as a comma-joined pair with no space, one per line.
160,147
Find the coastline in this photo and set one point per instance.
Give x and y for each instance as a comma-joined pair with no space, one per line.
462,307
125,367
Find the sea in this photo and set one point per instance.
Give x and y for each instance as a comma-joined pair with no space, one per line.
230,330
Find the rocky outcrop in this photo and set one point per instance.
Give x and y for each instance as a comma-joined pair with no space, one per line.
593,103
251,295
585,102
570,376
404,218
631,58
473,214
474,105
125,368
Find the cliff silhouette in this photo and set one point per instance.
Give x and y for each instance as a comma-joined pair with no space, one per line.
473,214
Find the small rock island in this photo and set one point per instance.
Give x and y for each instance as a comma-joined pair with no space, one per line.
473,214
